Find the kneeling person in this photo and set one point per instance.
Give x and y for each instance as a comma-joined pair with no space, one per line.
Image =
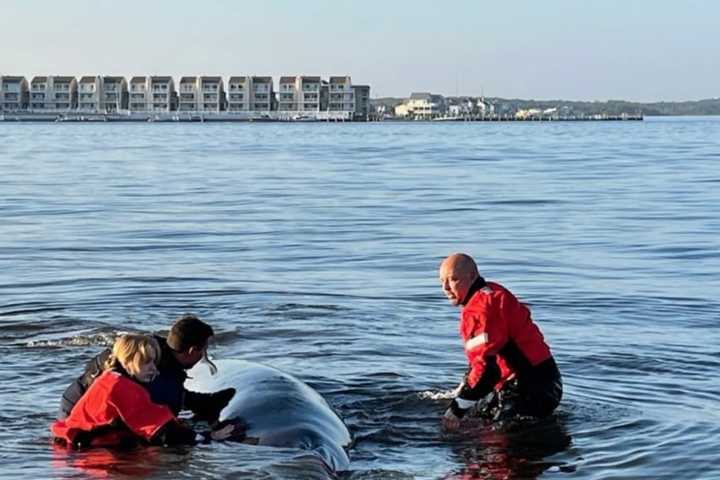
506,351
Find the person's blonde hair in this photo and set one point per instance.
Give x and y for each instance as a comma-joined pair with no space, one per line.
131,351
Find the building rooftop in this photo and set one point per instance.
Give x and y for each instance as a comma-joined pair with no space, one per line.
188,79
10,78
339,79
63,79
162,78
137,80
241,79
39,79
311,79
211,79
88,79
262,79
287,79
113,79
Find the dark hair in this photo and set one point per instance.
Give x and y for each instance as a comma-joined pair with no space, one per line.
188,331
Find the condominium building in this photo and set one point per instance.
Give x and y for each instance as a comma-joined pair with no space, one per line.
262,94
341,95
212,94
138,94
161,94
53,93
309,94
188,94
362,101
90,93
14,93
238,97
288,94
115,94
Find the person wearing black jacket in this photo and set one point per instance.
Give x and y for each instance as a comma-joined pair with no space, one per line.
117,411
185,346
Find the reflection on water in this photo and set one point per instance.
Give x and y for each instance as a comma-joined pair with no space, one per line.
513,450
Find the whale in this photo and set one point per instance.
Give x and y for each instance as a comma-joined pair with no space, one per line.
279,409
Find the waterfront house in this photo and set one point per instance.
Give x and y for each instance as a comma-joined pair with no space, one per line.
64,90
14,93
138,94
188,94
53,93
309,93
238,97
115,94
39,92
262,94
300,93
212,94
90,94
426,105
288,93
341,95
161,94
362,102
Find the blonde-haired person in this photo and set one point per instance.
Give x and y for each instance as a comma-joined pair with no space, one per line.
117,411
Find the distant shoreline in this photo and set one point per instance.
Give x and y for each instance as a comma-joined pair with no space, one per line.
175,117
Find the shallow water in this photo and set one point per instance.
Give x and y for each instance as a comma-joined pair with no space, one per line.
314,248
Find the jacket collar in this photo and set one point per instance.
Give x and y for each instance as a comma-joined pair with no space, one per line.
477,285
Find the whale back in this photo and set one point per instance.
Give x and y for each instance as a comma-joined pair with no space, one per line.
280,410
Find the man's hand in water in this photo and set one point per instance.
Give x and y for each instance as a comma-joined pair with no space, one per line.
224,433
234,429
450,421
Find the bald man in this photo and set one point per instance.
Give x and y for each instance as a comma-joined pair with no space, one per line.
507,353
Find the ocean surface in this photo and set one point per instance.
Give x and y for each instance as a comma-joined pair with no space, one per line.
314,248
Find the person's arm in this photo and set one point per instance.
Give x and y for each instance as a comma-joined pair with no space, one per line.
207,406
485,336
79,386
176,433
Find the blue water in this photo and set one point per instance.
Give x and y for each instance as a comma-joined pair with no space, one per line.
314,248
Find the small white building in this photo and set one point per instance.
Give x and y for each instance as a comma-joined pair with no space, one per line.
426,105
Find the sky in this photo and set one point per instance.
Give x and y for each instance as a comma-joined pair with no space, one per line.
638,50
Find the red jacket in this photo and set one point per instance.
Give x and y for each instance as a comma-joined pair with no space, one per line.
111,401
494,323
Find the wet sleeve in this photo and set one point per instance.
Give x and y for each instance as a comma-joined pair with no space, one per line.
175,433
143,417
79,386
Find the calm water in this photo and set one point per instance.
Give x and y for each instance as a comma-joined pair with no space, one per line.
314,248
